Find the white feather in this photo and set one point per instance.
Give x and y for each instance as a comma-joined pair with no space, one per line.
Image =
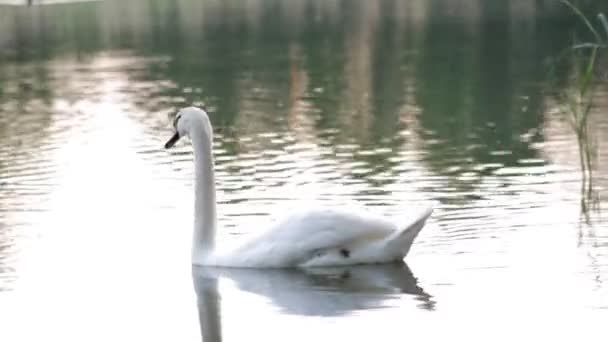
307,238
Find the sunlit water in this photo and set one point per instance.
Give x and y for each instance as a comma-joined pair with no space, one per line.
389,104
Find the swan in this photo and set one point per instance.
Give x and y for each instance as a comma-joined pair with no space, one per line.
310,237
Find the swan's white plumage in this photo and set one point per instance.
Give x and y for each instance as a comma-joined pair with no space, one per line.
324,237
306,238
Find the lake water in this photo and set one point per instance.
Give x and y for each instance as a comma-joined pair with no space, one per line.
390,104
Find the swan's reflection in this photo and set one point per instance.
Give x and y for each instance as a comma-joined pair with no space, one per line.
317,292
208,307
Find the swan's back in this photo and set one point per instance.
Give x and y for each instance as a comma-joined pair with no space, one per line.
326,237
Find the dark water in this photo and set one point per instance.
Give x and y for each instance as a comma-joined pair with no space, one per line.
386,103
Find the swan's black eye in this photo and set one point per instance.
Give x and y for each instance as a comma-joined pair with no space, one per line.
175,120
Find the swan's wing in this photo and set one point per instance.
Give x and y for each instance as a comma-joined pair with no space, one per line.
325,228
307,234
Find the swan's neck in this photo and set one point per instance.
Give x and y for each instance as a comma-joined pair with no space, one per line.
204,201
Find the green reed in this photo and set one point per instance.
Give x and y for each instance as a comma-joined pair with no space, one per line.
578,99
585,57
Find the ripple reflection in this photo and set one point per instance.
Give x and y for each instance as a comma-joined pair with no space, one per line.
324,292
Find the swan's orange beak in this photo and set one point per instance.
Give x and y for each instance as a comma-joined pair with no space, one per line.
173,140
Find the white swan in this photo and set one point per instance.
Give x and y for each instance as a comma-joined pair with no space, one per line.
311,237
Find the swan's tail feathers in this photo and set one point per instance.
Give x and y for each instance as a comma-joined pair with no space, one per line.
401,241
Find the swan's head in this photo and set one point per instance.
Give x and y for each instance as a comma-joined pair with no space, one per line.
188,121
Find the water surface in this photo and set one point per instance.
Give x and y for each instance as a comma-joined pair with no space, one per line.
389,104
